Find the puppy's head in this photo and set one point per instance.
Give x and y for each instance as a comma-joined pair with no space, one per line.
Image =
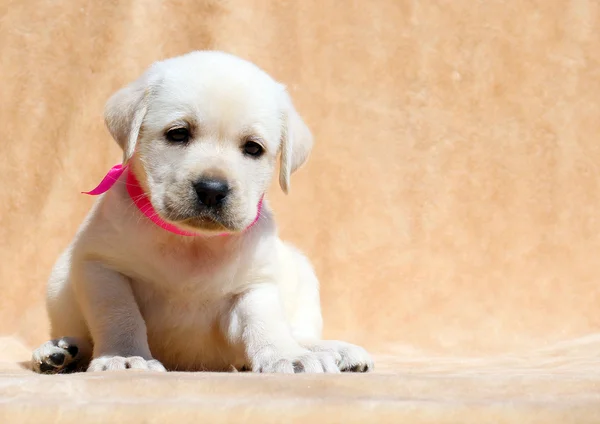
202,133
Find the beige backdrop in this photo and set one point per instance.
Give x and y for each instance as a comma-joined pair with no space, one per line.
450,204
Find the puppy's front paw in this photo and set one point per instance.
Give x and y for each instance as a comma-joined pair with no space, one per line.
116,363
301,361
350,358
60,356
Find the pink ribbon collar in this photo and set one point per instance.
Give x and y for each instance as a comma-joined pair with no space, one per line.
140,199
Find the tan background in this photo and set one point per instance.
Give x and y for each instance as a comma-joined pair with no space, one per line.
451,205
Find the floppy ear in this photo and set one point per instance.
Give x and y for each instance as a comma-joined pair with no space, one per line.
296,142
124,113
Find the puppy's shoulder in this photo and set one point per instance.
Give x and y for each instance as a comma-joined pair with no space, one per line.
106,225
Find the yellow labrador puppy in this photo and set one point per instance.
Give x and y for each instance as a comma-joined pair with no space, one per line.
178,266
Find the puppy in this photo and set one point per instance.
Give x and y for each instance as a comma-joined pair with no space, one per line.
178,265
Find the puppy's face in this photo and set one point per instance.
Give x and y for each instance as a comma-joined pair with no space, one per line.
204,131
208,146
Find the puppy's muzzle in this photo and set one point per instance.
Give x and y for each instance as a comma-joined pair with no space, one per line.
211,193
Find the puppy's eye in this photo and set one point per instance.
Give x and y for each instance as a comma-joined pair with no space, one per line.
178,135
253,149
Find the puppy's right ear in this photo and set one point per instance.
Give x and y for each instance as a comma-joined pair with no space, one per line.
124,113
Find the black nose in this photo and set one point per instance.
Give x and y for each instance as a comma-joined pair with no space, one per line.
211,193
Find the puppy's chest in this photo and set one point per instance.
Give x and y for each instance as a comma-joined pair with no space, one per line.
182,306
183,298
186,269
185,282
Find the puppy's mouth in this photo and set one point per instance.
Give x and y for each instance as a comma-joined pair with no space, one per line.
191,219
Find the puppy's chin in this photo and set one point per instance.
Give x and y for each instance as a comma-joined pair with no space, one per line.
204,225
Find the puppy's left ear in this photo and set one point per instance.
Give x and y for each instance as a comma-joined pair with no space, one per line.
124,113
296,142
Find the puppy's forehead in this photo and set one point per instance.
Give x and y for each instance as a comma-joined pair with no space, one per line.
221,94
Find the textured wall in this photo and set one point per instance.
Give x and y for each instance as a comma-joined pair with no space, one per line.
451,202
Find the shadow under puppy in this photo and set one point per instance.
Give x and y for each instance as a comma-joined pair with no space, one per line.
178,265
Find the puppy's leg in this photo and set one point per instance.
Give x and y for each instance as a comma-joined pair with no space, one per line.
256,325
63,354
114,319
306,321
67,354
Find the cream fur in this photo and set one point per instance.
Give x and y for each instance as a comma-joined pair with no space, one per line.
128,294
